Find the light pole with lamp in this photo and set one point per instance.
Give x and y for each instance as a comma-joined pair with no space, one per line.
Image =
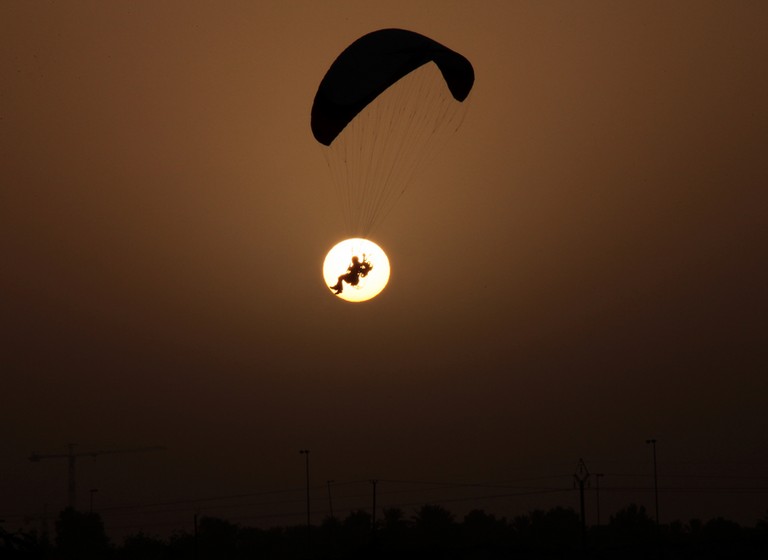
655,478
305,452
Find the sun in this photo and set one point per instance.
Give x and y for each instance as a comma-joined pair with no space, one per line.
359,267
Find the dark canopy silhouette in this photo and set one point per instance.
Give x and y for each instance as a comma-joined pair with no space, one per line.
373,63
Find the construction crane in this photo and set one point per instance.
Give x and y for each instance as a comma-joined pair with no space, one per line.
72,456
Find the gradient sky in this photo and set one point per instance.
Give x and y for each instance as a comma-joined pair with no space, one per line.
582,267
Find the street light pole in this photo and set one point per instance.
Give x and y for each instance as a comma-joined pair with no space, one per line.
305,452
655,478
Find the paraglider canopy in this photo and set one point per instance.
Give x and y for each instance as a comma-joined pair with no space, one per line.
387,101
372,64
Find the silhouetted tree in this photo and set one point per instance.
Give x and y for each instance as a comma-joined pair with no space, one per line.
181,544
431,533
81,535
357,530
695,526
557,529
434,527
145,547
483,531
328,538
20,545
631,527
675,536
394,532
216,539
253,542
289,542
724,538
394,519
762,524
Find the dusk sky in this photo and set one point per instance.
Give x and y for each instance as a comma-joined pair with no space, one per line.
582,267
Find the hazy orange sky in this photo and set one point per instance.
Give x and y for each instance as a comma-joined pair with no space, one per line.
581,268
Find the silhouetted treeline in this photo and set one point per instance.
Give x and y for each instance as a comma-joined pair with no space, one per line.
432,532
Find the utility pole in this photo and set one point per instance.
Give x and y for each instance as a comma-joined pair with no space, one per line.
93,491
373,512
373,509
581,477
655,479
71,457
45,522
597,489
195,549
330,502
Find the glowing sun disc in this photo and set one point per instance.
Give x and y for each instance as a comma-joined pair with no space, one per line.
339,260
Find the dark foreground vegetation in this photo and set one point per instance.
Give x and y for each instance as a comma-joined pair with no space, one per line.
432,533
